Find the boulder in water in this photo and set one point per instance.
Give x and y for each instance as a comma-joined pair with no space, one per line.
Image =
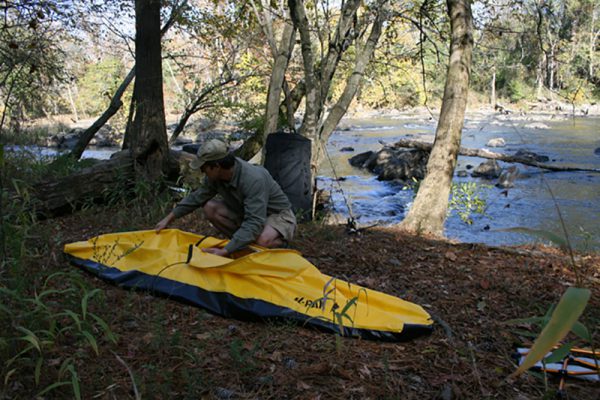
489,169
65,140
597,151
393,164
496,142
359,160
106,137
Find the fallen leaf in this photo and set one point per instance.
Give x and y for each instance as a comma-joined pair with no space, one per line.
147,338
203,336
364,371
302,386
276,356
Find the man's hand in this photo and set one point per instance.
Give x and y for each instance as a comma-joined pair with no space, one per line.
164,223
216,251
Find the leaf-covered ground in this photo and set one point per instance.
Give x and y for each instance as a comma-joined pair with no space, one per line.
166,349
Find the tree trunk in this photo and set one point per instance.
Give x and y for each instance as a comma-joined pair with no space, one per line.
91,184
95,184
551,67
282,57
72,103
493,88
309,123
292,101
539,79
592,45
288,107
148,137
341,42
2,226
429,210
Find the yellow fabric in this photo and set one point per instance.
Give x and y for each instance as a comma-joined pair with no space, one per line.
278,276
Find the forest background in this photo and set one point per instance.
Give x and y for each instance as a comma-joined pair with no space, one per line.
69,58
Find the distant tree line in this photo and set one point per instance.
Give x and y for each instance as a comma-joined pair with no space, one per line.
60,57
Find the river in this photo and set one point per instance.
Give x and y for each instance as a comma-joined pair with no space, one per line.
530,204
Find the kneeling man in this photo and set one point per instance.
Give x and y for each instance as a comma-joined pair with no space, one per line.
251,208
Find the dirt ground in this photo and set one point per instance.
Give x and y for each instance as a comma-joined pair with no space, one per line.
176,351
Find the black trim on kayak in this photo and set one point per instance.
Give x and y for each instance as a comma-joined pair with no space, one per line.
228,305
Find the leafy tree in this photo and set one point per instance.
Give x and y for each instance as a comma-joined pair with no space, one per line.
218,66
30,57
97,84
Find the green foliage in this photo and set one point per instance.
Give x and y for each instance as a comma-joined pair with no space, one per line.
397,90
34,329
139,202
20,172
413,185
578,91
31,166
551,48
98,84
31,58
254,88
36,135
587,240
517,91
339,314
244,357
41,315
466,199
252,118
556,325
17,220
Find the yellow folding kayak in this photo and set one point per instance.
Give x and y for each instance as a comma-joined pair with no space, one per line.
254,284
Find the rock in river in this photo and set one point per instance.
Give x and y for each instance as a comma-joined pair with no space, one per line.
393,164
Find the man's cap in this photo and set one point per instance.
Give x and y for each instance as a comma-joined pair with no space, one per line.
210,151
